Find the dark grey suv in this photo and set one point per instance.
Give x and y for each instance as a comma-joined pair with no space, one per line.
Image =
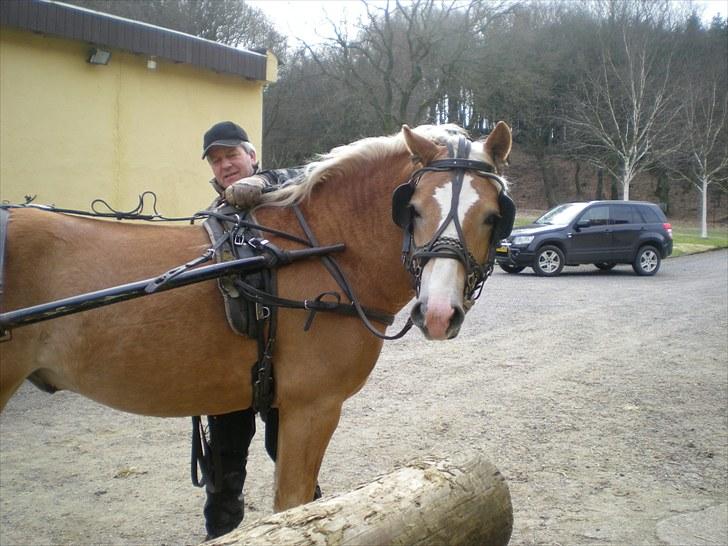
603,233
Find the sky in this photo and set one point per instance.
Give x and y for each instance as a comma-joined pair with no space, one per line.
307,19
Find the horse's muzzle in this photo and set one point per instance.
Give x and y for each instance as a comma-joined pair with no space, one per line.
437,321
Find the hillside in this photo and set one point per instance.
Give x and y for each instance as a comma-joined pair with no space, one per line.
527,188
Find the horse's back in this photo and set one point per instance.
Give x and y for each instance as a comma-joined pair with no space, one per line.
55,255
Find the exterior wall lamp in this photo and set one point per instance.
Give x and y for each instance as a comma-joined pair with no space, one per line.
99,56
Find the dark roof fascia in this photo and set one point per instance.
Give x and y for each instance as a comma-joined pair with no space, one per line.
102,29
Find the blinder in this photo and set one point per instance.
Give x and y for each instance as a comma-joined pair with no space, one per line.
503,228
401,211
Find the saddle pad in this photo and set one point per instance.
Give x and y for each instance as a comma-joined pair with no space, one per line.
240,312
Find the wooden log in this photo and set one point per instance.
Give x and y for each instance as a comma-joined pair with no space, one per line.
428,502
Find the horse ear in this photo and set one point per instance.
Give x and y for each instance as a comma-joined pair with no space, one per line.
421,148
498,145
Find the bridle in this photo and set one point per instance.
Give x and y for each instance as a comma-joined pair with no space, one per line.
439,246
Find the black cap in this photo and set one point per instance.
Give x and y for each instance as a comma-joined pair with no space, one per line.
225,133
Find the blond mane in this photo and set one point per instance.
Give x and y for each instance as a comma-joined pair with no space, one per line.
345,161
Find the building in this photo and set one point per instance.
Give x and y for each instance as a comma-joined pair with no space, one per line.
97,106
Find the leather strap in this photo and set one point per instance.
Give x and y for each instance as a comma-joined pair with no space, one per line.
343,282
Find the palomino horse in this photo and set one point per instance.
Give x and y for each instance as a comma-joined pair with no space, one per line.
173,354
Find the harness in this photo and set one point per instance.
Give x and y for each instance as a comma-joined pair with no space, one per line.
439,246
234,238
259,291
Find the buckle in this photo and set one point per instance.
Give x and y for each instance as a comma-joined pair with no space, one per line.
262,312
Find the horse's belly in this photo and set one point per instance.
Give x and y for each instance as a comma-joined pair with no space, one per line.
171,366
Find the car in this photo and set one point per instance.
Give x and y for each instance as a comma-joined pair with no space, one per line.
603,233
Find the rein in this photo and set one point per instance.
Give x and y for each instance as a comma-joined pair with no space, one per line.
338,275
275,256
137,213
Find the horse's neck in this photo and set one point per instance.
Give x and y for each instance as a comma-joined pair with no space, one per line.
358,211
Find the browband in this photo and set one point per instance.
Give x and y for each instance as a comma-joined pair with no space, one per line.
461,163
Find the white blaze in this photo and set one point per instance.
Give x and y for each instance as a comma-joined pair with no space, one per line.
440,285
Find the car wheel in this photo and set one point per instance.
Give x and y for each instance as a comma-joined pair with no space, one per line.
508,268
549,261
647,261
605,266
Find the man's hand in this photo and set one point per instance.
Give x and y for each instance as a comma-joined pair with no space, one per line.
245,193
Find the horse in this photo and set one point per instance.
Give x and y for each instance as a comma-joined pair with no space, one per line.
172,354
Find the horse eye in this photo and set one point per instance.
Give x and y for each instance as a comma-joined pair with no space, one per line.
415,212
491,219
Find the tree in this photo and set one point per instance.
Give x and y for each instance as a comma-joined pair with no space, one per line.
524,74
623,116
403,63
703,157
307,112
406,58
230,22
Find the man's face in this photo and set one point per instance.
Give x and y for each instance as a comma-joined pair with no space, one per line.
230,164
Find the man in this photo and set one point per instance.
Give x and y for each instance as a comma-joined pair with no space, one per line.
232,158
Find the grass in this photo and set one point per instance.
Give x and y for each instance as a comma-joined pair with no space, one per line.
687,239
686,236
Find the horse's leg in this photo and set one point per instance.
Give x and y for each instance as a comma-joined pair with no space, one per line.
303,435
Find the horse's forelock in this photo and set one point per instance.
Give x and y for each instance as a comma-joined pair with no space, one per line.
441,134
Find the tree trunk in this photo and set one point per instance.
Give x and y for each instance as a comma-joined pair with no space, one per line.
662,192
614,190
549,180
431,502
704,208
599,193
577,179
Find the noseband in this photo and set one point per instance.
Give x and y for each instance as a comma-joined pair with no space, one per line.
416,257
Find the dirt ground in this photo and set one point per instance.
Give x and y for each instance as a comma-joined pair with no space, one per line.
602,398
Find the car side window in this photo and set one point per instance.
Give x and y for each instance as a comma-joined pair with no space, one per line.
623,214
649,215
596,216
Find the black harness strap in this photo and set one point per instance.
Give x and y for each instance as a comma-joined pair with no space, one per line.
204,457
345,285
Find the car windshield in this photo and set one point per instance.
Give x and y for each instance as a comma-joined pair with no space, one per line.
561,215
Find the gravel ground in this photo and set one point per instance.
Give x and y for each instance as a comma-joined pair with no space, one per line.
602,398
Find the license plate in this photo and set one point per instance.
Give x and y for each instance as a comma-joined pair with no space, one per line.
501,250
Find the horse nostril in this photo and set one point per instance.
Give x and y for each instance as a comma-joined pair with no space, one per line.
417,314
456,320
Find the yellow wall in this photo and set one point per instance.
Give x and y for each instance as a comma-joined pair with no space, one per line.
71,132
